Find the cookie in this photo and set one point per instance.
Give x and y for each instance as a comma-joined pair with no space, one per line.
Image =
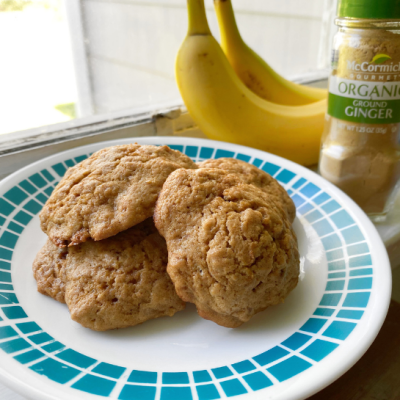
254,176
111,191
47,269
231,250
120,281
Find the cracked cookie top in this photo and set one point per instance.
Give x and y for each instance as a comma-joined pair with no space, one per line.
120,281
111,191
255,176
231,249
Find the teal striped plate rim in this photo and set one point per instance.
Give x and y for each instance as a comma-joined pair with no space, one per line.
288,351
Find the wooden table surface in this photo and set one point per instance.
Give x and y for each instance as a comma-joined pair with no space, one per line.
376,376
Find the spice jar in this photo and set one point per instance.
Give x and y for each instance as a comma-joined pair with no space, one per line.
360,150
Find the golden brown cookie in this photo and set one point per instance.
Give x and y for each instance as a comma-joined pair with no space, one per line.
231,250
120,281
47,271
254,176
111,191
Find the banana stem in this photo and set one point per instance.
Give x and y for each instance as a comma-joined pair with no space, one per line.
198,24
226,18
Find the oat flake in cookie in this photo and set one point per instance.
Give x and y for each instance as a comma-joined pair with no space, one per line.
111,191
255,176
47,270
231,250
120,281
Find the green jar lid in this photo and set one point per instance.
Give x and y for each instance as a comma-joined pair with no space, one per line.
371,9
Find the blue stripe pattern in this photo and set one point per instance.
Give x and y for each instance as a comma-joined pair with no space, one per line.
347,292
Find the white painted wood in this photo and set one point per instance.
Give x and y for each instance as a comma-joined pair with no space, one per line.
306,8
148,36
76,26
328,30
132,45
120,86
309,9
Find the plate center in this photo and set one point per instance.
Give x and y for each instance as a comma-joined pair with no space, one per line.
185,341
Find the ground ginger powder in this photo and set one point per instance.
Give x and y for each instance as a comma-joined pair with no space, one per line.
360,152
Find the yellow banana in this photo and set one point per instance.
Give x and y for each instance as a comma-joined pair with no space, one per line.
254,72
225,109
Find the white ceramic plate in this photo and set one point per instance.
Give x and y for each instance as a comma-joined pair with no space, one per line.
287,352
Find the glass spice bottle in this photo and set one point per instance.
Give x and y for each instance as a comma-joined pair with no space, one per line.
360,150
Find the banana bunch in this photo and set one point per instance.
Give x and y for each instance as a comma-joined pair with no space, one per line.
254,72
243,100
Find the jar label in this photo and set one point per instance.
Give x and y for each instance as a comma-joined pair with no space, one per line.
364,102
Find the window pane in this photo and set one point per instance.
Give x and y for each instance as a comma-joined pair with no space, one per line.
65,59
36,71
